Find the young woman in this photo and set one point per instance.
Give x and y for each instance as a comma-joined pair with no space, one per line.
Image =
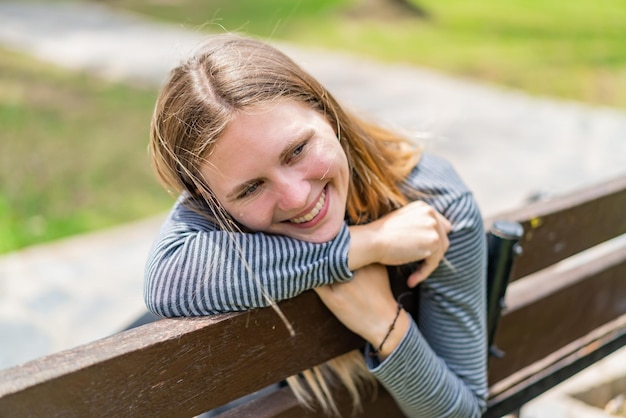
282,191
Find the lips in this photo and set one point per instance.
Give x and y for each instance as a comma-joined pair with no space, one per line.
314,211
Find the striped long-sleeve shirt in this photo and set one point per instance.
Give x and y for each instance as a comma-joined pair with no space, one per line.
438,369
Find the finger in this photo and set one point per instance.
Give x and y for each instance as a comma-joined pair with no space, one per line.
415,278
445,244
444,223
444,229
422,273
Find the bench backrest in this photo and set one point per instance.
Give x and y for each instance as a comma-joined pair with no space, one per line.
566,302
558,312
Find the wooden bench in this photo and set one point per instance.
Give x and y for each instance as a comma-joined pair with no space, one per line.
565,309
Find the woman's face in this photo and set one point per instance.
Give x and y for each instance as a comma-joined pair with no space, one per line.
280,169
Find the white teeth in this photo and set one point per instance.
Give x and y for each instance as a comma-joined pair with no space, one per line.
314,212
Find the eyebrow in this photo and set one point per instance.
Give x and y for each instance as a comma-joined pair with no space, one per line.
299,138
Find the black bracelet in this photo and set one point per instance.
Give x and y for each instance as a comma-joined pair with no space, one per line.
393,325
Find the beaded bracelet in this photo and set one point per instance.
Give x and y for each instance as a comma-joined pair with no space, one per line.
375,352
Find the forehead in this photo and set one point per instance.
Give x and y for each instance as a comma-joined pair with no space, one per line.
255,139
264,127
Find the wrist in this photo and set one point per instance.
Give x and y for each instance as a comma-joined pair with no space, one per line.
364,246
386,339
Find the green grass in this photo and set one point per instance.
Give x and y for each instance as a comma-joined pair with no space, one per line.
73,153
572,50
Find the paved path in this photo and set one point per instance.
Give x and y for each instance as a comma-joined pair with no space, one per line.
57,296
506,145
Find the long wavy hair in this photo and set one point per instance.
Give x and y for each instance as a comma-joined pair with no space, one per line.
228,74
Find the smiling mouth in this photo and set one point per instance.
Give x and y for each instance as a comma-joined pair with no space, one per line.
314,212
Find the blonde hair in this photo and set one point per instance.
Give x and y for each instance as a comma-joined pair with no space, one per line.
229,74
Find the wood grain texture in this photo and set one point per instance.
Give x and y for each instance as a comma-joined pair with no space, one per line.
177,367
557,307
558,228
283,404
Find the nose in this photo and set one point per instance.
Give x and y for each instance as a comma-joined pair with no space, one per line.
292,193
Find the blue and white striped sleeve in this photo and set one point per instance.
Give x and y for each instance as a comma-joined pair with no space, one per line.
196,269
439,368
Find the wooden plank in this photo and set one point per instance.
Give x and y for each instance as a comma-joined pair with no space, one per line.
512,393
157,369
283,404
558,228
279,404
553,308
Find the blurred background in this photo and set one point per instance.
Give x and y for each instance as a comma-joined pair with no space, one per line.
527,98
73,146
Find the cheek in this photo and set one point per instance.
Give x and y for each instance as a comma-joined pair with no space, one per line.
343,169
255,216
331,161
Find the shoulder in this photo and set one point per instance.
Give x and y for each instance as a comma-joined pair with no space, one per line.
435,176
435,181
184,216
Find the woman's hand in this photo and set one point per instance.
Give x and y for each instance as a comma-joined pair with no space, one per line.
367,307
415,232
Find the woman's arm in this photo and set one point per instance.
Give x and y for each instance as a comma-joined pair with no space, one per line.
197,269
367,307
438,369
448,347
414,232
